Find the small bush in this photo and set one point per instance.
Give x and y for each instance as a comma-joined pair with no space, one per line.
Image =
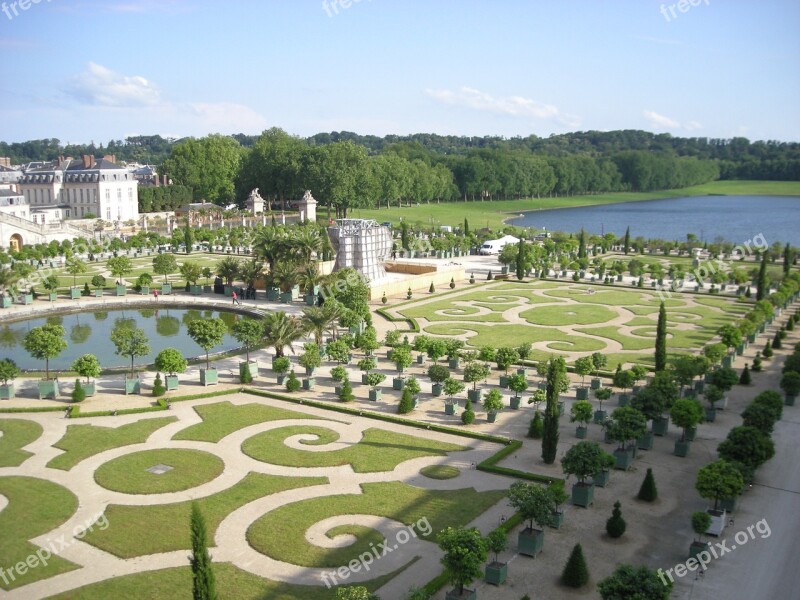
777,344
406,402
78,394
244,375
346,395
648,491
468,416
158,386
575,573
767,353
757,363
431,289
536,426
292,383
745,379
615,526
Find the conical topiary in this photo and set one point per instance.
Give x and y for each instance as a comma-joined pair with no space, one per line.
452,283
490,276
757,363
648,491
536,426
292,383
158,386
468,416
78,394
576,573
790,324
744,379
776,341
406,402
346,395
615,526
431,289
767,353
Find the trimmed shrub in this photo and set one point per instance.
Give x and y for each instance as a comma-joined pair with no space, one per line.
767,353
346,394
468,416
648,491
536,426
78,394
745,379
158,386
292,383
615,526
576,573
406,402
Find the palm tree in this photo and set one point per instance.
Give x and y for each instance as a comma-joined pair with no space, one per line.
318,320
251,271
268,245
306,241
285,275
229,268
281,330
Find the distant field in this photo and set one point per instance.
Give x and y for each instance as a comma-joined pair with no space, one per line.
492,214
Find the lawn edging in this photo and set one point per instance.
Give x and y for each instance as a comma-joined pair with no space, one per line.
161,405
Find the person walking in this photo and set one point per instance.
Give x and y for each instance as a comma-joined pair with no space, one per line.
155,295
235,299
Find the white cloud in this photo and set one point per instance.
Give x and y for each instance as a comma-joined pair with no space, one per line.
514,106
100,86
663,122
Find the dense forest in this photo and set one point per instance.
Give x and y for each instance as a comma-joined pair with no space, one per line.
349,170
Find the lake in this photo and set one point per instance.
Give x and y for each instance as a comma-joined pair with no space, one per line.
735,218
90,332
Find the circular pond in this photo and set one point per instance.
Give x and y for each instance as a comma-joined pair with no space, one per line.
90,333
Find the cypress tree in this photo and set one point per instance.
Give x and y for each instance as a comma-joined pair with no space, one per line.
203,586
406,402
648,491
761,282
627,242
615,526
521,259
744,379
466,227
661,339
787,259
575,573
582,244
188,237
556,373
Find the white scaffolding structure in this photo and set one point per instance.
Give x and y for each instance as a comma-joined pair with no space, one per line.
363,245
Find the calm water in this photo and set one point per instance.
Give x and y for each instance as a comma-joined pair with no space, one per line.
90,332
735,218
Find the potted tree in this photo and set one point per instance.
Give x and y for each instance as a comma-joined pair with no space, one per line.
207,273
339,375
436,349
75,267
412,385
44,343
98,283
583,366
517,384
724,378
599,361
496,571
624,381
712,395
583,460
492,404
464,554
505,358
248,332
534,504
171,362
401,357
581,413
421,346
191,272
451,388
639,374
310,359
131,342
366,365
559,497
473,373
87,366
143,283
524,351
8,373
373,381
454,348
701,521
602,394
50,283
120,266
600,479
790,384
281,365
715,481
686,413
165,264
207,333
626,424
438,374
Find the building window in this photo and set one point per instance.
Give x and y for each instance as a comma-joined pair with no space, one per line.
108,214
119,194
108,194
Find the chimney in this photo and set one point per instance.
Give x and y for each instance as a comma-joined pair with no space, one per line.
164,180
5,161
112,158
155,179
88,161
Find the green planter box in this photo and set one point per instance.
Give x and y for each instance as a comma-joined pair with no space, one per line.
364,378
166,289
207,289
580,432
53,296
436,389
522,371
504,381
227,289
596,383
281,379
144,290
624,459
26,298
465,595
623,400
309,383
495,573
727,361
599,416
561,408
645,442
209,376
450,409
689,393
98,293
557,519
90,388
311,299
7,391
74,293
7,301
120,290
375,395
789,400
273,294
397,383
195,290
660,426
582,393
542,385
601,479
682,448
583,494
607,437
696,548
48,389
690,433
491,417
286,297
421,357
530,542
751,338
252,367
474,396
337,389
711,415
132,385
171,382
310,371
515,402
727,504
452,363
699,386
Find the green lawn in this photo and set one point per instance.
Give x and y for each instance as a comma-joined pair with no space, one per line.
17,433
568,315
514,335
491,214
440,472
141,530
378,450
232,583
128,474
83,441
280,534
35,506
223,418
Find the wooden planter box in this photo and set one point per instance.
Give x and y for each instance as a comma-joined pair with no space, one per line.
48,389
583,494
582,393
718,521
728,504
623,400
451,363
624,459
450,409
465,595
596,383
690,434
273,294
311,299
90,388
132,385
711,415
7,391
286,297
120,290
495,573
309,383
195,290
166,289
645,442
209,376
515,402
491,417
696,548
601,479
504,381
474,396
74,293
436,389
660,426
144,290
375,395
530,542
699,386
682,448
580,432
599,417
421,357
397,383
171,382
26,298
789,400
522,371
557,519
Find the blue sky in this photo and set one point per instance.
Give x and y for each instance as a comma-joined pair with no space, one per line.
83,70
